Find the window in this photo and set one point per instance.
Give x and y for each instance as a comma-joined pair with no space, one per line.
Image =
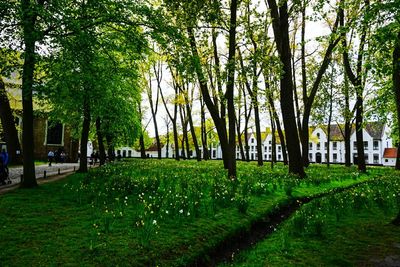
252,140
265,148
318,146
270,148
237,155
270,156
334,145
270,142
54,133
376,158
279,148
334,157
279,157
310,146
386,160
355,145
376,144
318,135
124,153
130,153
365,145
310,156
366,159
326,157
326,145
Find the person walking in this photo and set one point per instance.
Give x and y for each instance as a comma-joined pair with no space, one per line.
50,157
6,159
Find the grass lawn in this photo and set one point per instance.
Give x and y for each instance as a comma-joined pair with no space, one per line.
150,212
346,229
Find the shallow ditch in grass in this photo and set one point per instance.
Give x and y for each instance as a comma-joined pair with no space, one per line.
247,237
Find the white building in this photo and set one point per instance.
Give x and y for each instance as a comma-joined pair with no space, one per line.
389,157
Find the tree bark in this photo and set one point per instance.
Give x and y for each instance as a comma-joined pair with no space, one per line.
154,106
29,17
193,132
84,136
100,141
204,131
396,88
280,23
9,129
142,148
277,123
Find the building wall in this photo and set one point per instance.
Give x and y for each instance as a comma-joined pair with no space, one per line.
41,149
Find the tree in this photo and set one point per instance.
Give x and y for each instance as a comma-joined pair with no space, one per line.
357,79
280,24
8,62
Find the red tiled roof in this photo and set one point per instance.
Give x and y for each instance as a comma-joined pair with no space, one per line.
390,153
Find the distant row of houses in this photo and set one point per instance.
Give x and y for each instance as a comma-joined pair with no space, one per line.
377,145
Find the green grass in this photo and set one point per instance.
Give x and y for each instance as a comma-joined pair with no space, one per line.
346,229
149,212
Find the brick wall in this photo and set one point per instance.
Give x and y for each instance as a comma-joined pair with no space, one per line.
70,145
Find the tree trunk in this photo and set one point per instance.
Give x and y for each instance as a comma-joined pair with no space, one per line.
142,148
347,125
176,141
110,147
330,119
193,132
220,124
278,125
204,131
280,22
396,88
273,139
100,141
9,129
84,136
356,80
29,17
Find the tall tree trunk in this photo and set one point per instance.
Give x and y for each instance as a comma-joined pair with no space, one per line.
277,123
253,92
220,124
84,135
9,129
273,139
204,131
184,133
176,141
142,147
100,141
396,88
240,140
357,81
110,147
309,99
167,143
330,119
230,91
193,132
280,22
154,106
29,17
347,124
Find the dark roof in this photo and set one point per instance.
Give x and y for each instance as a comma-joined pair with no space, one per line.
375,129
390,153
